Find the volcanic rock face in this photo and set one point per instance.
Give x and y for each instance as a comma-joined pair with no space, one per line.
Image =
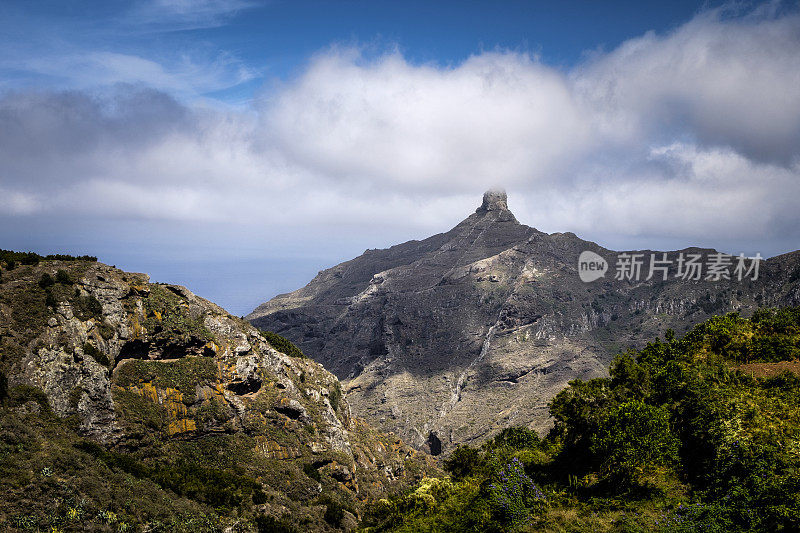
494,200
145,367
450,339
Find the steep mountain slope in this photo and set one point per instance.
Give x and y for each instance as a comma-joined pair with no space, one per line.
129,405
450,339
681,438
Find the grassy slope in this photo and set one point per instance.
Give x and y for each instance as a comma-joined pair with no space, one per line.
681,437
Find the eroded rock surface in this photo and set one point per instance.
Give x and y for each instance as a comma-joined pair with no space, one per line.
151,369
449,339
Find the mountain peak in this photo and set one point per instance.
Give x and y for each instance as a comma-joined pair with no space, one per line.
494,200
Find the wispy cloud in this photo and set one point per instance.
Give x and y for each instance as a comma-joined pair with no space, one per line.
173,15
61,52
187,75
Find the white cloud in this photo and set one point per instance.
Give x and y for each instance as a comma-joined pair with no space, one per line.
693,136
712,195
731,82
17,203
496,117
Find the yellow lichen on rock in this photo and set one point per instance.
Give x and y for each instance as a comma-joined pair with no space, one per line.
183,425
136,328
148,391
272,450
172,400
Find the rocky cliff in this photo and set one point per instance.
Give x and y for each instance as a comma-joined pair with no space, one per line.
450,339
130,405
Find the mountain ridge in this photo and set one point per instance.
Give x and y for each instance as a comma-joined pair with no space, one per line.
486,307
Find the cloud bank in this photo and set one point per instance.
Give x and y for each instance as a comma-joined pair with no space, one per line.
688,137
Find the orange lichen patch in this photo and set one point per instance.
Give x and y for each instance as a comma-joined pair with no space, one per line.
148,391
227,370
136,328
172,400
140,290
183,425
768,370
272,450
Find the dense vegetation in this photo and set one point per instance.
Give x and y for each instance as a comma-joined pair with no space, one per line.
10,258
282,344
681,437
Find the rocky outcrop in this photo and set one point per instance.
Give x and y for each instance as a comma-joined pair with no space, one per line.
450,339
149,369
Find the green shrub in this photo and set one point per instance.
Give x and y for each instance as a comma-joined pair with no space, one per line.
334,511
106,330
336,396
512,494
270,524
282,344
3,386
334,514
63,277
21,394
635,436
30,258
183,374
259,496
88,307
312,472
90,350
169,318
221,489
517,437
50,300
463,462
46,281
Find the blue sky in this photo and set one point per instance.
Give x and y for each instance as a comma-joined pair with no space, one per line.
238,147
263,41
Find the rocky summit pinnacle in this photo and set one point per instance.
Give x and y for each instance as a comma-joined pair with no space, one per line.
494,200
450,339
